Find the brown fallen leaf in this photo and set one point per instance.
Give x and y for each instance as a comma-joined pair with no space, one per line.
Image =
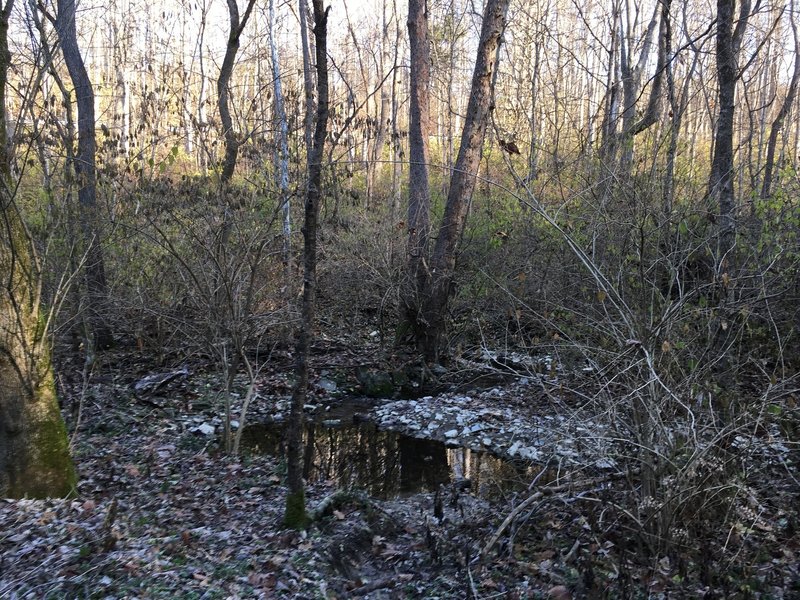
559,592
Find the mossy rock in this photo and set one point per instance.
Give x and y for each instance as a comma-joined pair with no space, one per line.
375,383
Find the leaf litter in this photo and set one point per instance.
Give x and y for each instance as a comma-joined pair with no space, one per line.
161,512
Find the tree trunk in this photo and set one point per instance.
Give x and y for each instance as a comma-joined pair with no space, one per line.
34,452
383,117
5,62
295,515
202,120
85,173
777,124
721,181
419,197
232,141
439,286
308,77
282,147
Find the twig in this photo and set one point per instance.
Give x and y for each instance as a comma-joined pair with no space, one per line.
386,582
86,375
472,587
547,491
571,554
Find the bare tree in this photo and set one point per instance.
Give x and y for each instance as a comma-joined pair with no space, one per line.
232,141
282,146
86,175
308,76
430,320
295,515
780,118
721,184
419,197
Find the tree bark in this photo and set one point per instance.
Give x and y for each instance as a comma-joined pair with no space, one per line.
440,283
780,118
282,147
721,186
383,118
85,173
419,197
308,77
295,515
232,141
34,452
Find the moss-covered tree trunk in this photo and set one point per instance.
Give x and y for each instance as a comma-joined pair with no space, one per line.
34,453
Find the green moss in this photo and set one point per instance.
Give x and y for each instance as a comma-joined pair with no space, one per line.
295,516
49,471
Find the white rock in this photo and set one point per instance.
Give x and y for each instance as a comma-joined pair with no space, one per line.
529,453
205,429
327,385
487,441
451,433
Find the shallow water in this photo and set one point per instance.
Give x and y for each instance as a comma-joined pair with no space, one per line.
386,463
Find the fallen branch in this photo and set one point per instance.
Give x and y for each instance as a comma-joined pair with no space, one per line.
336,500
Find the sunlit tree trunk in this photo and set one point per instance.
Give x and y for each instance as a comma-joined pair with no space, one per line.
397,144
34,453
439,284
786,106
295,515
308,76
282,146
383,112
202,117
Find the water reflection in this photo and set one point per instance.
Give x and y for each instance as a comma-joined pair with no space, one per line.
386,463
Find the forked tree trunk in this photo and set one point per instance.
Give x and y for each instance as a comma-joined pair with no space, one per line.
439,285
295,515
34,453
232,141
85,174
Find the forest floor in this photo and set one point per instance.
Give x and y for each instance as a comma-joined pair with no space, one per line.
162,512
